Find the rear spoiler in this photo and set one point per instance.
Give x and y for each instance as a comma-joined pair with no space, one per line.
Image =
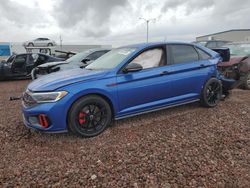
224,53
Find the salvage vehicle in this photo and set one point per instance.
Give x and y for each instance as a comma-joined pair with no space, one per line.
80,60
20,66
39,42
124,82
238,68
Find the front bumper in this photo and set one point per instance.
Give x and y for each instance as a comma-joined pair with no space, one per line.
56,113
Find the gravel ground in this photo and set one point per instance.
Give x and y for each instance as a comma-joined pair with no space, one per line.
187,146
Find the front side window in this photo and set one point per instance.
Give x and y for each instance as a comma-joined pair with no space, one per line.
150,58
20,61
183,54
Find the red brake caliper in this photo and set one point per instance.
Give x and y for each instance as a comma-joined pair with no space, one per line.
81,118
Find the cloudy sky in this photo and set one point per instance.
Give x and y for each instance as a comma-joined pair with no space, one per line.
117,21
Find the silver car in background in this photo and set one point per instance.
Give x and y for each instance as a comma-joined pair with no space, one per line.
39,42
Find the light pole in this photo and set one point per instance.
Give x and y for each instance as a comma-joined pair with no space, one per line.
147,22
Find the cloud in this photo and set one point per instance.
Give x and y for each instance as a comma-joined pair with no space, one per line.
189,6
92,15
117,21
21,15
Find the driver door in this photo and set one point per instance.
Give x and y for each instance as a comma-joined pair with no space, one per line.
147,88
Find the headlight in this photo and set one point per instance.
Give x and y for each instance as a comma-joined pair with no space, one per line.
48,96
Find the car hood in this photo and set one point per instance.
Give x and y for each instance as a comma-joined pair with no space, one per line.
52,64
54,81
233,61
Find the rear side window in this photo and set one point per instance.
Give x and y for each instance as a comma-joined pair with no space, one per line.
203,55
211,44
183,54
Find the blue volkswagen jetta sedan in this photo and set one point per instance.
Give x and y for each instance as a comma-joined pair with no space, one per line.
124,82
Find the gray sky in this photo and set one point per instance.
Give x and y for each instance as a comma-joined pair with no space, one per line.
117,21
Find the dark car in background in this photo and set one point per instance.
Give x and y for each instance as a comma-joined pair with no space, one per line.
80,60
212,43
21,65
238,67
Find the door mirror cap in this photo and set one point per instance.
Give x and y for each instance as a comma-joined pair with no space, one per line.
132,67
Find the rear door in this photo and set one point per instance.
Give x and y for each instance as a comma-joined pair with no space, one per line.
148,88
189,71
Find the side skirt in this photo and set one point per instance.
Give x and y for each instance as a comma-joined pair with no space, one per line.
156,109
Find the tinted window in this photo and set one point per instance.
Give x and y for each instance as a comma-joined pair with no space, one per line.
96,55
20,61
203,55
41,59
150,58
30,60
211,44
183,54
220,43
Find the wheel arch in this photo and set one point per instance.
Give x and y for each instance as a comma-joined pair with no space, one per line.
103,96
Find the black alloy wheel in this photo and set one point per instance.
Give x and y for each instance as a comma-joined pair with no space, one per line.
89,116
212,92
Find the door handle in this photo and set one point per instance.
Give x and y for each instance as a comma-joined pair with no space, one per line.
202,65
164,73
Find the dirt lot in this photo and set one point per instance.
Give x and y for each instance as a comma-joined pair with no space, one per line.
185,146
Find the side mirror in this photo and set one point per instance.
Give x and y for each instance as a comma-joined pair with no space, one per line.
224,53
132,67
85,60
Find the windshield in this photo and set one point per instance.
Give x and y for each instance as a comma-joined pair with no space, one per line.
111,59
78,57
239,49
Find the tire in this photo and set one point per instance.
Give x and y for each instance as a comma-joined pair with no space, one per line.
89,116
30,44
246,84
211,93
50,44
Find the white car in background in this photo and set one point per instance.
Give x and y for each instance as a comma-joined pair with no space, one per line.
39,42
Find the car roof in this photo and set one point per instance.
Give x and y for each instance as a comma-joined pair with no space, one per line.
152,44
32,53
149,44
